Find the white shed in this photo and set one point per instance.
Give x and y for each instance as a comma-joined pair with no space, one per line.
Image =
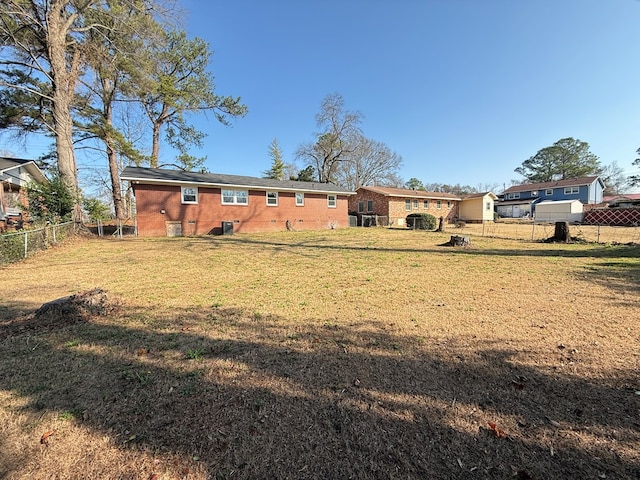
559,211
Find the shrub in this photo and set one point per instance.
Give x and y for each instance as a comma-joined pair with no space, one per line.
421,221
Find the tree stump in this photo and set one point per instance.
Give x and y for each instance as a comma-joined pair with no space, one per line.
440,225
459,241
562,233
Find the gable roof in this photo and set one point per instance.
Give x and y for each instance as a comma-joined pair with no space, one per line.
406,193
480,195
161,176
569,182
8,164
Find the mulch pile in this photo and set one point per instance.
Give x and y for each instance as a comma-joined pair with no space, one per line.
71,310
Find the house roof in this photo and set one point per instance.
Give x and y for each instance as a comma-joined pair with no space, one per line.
480,195
520,201
8,164
569,182
406,193
624,197
161,176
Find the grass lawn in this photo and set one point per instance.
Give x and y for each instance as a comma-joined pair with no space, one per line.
357,353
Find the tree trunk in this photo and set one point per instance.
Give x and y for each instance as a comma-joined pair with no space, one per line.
64,75
562,233
113,163
155,146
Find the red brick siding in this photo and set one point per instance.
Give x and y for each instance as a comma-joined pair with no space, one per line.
394,207
207,215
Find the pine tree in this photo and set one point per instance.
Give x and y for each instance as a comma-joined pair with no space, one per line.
277,164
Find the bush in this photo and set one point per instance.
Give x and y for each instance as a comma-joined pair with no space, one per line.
421,221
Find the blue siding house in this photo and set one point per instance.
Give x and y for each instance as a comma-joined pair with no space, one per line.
520,200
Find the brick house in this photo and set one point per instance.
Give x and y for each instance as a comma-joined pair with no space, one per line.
15,173
170,203
396,203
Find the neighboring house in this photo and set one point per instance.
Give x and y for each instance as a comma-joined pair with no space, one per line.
397,203
625,200
15,173
170,203
520,200
477,207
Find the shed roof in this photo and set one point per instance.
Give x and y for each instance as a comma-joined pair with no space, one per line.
160,176
406,193
480,195
558,202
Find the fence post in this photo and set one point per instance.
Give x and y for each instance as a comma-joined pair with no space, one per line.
26,244
533,229
53,229
483,224
598,233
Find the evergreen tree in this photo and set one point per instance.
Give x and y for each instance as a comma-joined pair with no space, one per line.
277,164
567,158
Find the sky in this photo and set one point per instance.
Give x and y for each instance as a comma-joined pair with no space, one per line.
463,90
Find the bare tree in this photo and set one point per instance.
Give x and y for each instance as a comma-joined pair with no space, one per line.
336,139
371,163
614,179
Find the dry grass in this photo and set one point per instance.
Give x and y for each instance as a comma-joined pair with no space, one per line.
361,353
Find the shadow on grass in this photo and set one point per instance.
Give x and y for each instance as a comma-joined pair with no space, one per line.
566,250
621,276
250,401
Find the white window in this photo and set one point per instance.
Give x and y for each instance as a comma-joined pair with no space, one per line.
426,204
360,207
415,204
571,190
407,204
369,205
272,199
331,201
534,193
512,196
488,206
233,197
299,199
448,204
189,194
548,191
438,204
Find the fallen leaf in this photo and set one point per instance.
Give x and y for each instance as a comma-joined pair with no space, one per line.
496,431
356,382
517,385
45,436
154,476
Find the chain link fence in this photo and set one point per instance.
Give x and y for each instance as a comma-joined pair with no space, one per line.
19,245
539,231
522,230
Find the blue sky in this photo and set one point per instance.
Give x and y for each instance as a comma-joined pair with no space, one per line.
463,90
